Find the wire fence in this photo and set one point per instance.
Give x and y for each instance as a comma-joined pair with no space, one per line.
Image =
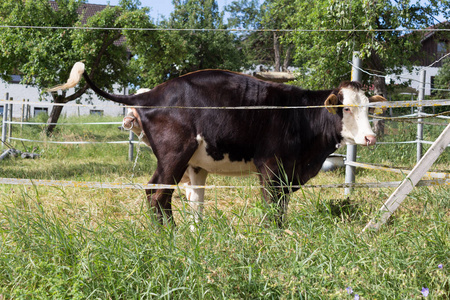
225,29
417,117
384,105
393,104
441,179
390,104
138,186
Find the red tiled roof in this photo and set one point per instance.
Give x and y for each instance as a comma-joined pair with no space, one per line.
88,10
429,34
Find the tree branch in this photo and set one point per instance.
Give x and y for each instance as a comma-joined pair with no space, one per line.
106,44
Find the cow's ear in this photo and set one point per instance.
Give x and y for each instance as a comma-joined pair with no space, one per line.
377,110
330,102
377,98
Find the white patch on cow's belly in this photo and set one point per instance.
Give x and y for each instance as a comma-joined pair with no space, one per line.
226,167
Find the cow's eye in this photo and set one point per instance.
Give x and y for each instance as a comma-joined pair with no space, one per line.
347,109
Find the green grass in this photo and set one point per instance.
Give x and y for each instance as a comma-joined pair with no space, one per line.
78,243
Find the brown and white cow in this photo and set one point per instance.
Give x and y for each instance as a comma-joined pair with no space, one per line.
284,146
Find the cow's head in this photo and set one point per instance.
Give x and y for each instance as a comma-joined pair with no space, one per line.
355,122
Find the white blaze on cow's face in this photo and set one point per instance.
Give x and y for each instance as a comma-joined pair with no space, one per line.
355,122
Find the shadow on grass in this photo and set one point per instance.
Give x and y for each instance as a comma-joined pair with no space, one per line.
345,209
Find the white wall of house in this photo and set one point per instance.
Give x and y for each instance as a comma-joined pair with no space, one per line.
414,77
19,92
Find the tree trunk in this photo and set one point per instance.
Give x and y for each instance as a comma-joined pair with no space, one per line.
277,54
287,57
55,113
57,109
379,88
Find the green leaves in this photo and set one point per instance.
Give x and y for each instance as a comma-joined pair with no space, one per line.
442,80
326,52
44,57
162,55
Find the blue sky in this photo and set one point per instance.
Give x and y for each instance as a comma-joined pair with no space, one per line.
164,7
158,7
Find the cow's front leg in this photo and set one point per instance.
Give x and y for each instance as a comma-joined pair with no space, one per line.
275,189
278,199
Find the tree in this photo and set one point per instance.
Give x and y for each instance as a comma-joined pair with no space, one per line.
256,45
44,57
442,80
261,46
347,26
177,52
275,13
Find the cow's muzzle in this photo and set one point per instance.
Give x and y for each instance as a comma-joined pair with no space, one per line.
128,122
370,140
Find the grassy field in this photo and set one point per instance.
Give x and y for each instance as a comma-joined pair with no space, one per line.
80,243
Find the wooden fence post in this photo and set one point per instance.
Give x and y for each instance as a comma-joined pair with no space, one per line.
399,195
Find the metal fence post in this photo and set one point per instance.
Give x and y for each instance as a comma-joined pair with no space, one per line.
351,149
22,116
419,112
130,146
28,110
10,120
131,136
5,118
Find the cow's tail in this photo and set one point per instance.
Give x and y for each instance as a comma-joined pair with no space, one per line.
74,78
77,71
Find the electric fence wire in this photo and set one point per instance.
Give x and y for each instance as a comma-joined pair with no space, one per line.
227,29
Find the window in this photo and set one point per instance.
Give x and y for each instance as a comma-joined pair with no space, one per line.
96,112
15,79
40,110
1,110
441,49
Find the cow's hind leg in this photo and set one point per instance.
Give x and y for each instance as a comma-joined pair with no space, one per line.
170,169
160,202
195,196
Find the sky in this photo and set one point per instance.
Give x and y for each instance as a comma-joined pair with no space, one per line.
158,7
164,7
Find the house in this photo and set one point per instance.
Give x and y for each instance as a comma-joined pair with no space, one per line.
435,45
17,91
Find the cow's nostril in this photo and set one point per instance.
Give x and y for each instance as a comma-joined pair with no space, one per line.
370,140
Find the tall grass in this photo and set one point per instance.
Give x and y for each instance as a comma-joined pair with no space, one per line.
77,243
